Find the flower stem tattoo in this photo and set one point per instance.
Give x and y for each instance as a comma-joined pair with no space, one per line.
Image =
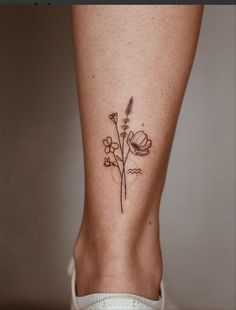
127,143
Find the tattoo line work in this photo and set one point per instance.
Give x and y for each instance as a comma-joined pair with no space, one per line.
137,171
127,143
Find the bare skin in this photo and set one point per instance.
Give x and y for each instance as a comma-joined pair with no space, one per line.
123,52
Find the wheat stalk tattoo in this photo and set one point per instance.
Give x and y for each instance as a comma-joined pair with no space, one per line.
137,144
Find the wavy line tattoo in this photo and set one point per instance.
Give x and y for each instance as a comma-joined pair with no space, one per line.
136,171
127,143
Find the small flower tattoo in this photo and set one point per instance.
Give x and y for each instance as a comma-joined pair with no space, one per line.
110,146
114,117
108,162
127,143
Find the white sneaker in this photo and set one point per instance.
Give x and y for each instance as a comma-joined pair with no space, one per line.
113,301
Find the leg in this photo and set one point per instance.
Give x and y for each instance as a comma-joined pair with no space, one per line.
134,61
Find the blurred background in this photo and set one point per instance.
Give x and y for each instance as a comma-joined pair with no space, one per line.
41,165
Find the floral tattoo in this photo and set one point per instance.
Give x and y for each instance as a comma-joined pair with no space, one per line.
127,143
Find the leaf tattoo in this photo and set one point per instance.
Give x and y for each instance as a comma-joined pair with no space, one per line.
127,143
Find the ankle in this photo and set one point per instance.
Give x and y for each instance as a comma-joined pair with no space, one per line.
122,267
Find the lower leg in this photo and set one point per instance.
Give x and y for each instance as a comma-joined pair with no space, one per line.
133,61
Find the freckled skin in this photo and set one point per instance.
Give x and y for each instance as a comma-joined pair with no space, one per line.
145,51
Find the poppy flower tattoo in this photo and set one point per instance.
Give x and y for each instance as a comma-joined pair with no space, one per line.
139,143
127,143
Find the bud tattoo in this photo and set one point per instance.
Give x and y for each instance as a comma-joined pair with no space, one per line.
128,143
